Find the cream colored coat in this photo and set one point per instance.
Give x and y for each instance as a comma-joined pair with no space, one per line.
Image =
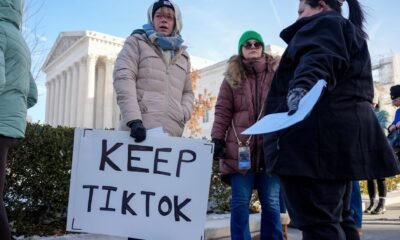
151,90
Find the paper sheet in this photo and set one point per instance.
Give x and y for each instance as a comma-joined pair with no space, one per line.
156,131
278,121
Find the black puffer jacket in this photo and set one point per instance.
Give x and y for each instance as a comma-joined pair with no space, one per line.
341,138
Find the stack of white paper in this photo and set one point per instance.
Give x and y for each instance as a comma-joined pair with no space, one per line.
278,121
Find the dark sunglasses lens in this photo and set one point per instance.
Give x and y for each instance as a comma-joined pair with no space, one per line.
248,45
257,45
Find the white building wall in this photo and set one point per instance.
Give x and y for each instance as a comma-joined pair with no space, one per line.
77,93
386,73
72,77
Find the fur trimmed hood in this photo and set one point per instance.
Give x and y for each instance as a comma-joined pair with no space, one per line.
236,71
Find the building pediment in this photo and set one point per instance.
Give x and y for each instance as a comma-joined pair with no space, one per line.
63,43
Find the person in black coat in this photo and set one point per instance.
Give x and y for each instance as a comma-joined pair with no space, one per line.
340,140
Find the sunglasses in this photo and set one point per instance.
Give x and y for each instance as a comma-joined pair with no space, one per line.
249,45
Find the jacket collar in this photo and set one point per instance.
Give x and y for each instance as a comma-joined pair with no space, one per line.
143,37
255,65
288,33
236,71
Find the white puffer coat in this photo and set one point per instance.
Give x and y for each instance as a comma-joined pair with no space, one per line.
158,93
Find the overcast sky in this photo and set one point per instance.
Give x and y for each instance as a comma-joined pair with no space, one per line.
211,28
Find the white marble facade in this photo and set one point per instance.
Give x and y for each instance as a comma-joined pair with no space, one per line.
79,86
79,80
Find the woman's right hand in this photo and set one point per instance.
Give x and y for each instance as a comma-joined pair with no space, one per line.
138,131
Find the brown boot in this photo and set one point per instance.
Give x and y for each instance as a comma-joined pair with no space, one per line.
359,231
285,232
285,220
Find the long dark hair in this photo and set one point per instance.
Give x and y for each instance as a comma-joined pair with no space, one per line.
356,12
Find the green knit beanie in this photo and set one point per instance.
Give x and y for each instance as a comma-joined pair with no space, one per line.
247,36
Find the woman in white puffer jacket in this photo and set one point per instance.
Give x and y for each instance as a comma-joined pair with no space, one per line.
152,75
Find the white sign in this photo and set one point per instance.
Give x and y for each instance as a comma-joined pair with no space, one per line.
278,121
156,189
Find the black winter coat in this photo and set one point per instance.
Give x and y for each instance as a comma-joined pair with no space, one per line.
341,138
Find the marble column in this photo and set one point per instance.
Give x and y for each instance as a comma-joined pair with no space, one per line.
52,98
82,85
90,91
108,94
67,102
74,94
61,104
99,95
58,101
48,86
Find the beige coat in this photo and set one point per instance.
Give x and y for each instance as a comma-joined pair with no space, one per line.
151,90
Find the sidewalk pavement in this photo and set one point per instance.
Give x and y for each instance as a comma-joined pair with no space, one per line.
375,227
383,227
392,214
217,226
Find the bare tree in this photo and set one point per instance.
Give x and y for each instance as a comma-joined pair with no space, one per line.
31,22
202,104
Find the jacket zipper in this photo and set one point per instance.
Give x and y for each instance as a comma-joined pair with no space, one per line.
257,162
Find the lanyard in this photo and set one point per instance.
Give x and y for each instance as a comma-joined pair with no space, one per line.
249,139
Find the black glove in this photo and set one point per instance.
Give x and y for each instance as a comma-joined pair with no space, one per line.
293,99
219,151
138,132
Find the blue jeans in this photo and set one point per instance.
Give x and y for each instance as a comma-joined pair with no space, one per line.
268,193
356,203
282,204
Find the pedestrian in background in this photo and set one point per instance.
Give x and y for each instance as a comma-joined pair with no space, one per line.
340,140
380,208
380,184
18,91
239,105
152,75
395,96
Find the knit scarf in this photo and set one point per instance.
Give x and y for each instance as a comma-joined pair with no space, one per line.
173,42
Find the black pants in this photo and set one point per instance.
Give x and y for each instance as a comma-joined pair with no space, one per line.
382,190
5,144
320,208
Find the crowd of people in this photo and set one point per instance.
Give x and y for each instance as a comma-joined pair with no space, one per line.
311,169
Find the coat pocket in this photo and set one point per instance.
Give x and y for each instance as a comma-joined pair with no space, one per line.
152,102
